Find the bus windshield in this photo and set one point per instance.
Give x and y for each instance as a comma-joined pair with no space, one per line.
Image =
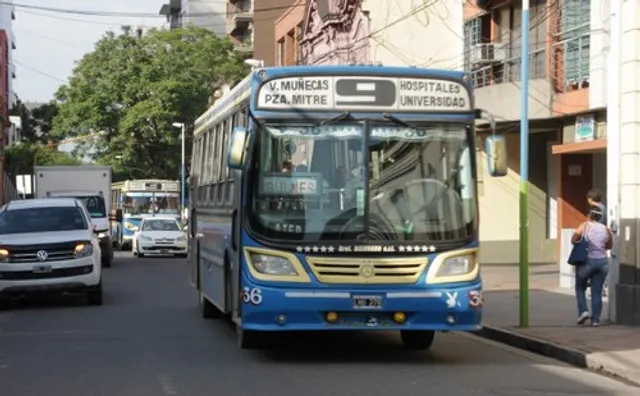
150,203
320,183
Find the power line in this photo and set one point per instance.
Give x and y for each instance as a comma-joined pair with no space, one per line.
33,69
122,14
93,22
45,37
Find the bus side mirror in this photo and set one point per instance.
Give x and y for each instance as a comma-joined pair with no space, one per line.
496,150
495,146
238,148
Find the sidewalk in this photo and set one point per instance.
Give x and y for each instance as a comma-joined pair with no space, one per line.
614,350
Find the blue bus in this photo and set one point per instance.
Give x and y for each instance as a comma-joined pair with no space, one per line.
340,198
135,199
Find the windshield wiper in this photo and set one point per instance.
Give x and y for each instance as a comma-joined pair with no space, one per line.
396,120
342,117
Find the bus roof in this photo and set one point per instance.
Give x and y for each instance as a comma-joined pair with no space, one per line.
342,88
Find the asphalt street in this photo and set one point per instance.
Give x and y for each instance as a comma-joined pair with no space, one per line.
148,339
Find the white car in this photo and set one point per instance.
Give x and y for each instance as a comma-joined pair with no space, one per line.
48,246
160,235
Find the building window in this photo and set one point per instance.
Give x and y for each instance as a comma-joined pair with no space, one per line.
571,45
281,52
494,60
471,38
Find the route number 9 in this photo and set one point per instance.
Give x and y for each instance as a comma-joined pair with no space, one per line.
365,92
252,296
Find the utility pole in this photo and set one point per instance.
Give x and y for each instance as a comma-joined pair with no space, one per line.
613,147
182,168
524,168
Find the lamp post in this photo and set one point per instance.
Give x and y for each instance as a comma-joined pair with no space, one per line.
524,168
182,166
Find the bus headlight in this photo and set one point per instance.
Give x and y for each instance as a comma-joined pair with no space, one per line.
272,265
460,265
454,266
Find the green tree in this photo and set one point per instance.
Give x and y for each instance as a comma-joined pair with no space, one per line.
132,89
22,157
43,117
28,124
36,123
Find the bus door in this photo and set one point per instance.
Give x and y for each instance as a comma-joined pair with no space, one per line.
234,258
193,255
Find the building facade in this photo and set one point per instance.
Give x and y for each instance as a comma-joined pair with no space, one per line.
173,11
382,31
251,25
567,117
288,33
7,94
208,14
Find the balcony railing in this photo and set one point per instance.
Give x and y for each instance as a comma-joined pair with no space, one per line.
509,70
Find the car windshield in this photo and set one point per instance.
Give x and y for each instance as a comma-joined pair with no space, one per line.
160,225
95,206
313,184
49,219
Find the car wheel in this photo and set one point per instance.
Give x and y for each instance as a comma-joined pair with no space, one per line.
5,303
95,295
106,262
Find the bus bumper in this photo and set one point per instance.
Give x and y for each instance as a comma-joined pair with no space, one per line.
289,309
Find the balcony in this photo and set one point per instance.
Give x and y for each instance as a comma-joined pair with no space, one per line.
244,44
498,87
239,17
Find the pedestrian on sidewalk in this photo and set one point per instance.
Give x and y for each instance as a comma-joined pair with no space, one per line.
594,198
595,269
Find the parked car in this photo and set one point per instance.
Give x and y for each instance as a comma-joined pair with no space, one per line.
48,246
160,235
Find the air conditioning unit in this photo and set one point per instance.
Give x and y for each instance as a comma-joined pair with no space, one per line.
488,53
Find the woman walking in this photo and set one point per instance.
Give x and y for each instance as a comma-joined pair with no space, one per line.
594,271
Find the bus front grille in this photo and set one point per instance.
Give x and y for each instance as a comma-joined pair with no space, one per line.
347,270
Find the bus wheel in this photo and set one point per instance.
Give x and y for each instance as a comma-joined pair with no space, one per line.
417,339
249,339
207,309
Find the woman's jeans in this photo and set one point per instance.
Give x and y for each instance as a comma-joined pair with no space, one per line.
594,270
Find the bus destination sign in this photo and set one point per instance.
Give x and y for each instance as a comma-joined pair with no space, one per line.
364,94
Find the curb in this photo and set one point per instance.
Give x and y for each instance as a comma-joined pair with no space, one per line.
558,352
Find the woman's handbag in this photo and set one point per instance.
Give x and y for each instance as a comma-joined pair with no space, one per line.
578,254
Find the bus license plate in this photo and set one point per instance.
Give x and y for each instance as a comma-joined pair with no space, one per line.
367,302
